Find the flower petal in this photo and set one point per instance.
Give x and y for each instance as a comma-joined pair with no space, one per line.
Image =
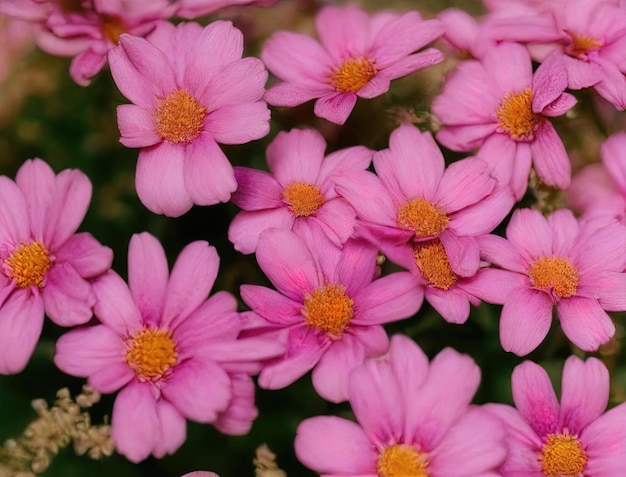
584,322
21,322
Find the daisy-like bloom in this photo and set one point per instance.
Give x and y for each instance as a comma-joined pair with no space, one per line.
46,266
329,305
425,217
359,55
185,102
172,353
555,262
572,438
499,105
414,418
299,192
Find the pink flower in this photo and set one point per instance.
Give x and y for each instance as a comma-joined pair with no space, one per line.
573,438
555,262
328,305
185,102
359,56
413,419
424,216
299,192
497,104
172,353
46,266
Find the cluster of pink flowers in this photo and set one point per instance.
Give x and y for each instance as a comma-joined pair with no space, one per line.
318,224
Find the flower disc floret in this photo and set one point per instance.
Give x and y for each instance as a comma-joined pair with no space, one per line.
581,45
562,455
423,217
401,460
556,273
303,198
516,117
433,263
353,74
112,27
328,308
28,265
151,353
179,117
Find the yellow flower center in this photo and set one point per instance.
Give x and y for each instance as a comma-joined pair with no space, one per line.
581,45
401,460
28,265
304,199
562,456
516,117
422,217
433,263
328,308
179,117
556,273
352,75
151,353
112,27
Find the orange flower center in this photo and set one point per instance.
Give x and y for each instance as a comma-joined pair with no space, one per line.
581,45
151,353
329,309
433,263
516,117
401,460
352,75
179,117
28,265
556,273
562,456
112,27
422,217
304,199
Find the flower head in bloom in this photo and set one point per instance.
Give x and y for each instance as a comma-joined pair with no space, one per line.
329,305
424,216
172,353
498,104
572,438
299,192
413,419
190,89
359,55
555,262
46,267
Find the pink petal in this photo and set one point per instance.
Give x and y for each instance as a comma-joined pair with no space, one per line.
256,190
199,389
613,85
485,215
335,107
237,419
453,304
344,32
409,361
534,398
463,253
364,190
612,291
466,137
159,180
115,307
336,218
613,157
85,254
246,227
510,67
137,126
374,87
290,95
37,181
148,274
559,106
172,430
525,320
111,378
222,39
336,446
464,183
529,231
565,230
67,297
271,305
493,285
550,158
501,252
343,163
296,156
604,443
239,123
584,322
86,65
549,81
581,74
21,321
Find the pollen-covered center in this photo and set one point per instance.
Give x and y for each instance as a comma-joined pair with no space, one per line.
28,265
151,353
556,273
562,455
516,117
424,218
352,75
112,27
179,117
303,198
581,45
433,263
401,460
328,308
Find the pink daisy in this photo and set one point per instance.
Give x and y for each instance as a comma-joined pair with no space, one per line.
46,266
555,263
499,105
328,304
172,353
424,216
413,419
573,438
298,192
185,102
359,56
